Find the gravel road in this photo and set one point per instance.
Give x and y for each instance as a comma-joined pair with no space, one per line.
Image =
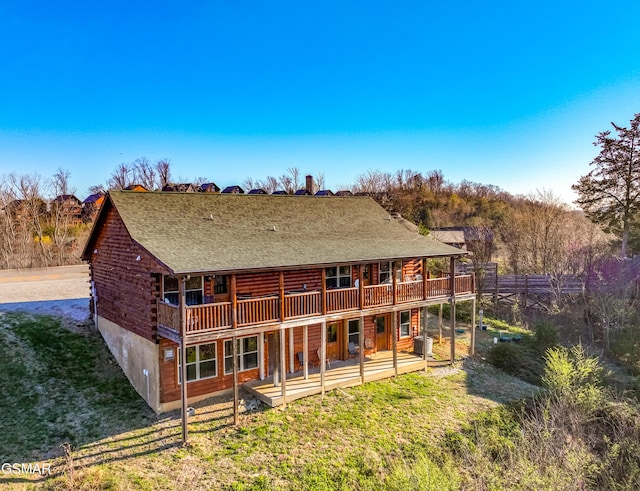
62,291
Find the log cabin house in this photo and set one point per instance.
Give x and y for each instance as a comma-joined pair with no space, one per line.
246,288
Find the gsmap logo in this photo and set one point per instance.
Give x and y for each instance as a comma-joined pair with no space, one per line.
42,469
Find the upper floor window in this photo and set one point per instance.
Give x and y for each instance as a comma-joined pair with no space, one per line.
193,290
385,269
338,277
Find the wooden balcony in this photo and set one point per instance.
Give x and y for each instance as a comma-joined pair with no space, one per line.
297,305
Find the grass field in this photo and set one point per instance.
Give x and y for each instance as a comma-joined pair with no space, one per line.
62,386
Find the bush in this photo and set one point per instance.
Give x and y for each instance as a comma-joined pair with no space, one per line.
573,377
505,356
545,336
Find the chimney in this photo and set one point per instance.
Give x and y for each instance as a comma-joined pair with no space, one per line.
309,186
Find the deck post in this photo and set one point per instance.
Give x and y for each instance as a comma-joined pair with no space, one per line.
292,355
234,302
394,342
472,350
323,354
425,324
394,282
305,350
183,358
236,416
261,355
361,352
323,288
440,324
425,277
283,368
281,295
452,280
361,286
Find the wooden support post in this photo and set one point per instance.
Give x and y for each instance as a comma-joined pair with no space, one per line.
261,355
323,288
361,351
305,350
495,294
394,343
183,359
425,325
283,369
394,282
452,278
472,350
281,296
234,302
323,354
361,286
440,325
292,355
425,277
236,416
276,358
526,290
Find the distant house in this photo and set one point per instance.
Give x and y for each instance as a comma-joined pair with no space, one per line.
209,187
470,239
68,206
233,190
139,188
344,193
325,192
257,191
185,187
254,289
91,206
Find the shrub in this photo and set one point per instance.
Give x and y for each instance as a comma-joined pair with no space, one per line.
505,356
573,377
545,336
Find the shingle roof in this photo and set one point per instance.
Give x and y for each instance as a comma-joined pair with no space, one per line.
207,232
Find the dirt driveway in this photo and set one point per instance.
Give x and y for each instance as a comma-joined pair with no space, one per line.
61,291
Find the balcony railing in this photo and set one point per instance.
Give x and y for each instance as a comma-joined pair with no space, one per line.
296,305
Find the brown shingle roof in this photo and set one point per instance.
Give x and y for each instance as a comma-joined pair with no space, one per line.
206,232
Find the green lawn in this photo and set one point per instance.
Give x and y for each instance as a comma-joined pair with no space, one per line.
63,386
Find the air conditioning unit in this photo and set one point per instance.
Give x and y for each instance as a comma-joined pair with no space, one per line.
418,345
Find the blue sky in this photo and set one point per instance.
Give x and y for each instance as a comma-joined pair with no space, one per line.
505,93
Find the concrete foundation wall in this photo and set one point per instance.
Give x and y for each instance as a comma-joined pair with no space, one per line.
135,355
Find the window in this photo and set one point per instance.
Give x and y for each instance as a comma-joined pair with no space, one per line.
247,354
193,290
405,323
354,332
338,277
201,362
332,333
384,272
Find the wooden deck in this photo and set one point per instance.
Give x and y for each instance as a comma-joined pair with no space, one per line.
341,374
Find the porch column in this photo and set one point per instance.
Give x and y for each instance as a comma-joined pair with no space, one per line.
425,324
182,300
452,280
394,283
361,342
236,417
361,286
261,355
291,353
323,354
425,283
472,350
440,324
305,350
394,342
281,296
234,302
323,289
283,369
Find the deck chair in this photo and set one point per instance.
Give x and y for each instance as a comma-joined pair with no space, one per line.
353,349
320,358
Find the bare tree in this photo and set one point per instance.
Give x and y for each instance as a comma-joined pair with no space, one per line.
145,173
121,177
63,214
163,168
